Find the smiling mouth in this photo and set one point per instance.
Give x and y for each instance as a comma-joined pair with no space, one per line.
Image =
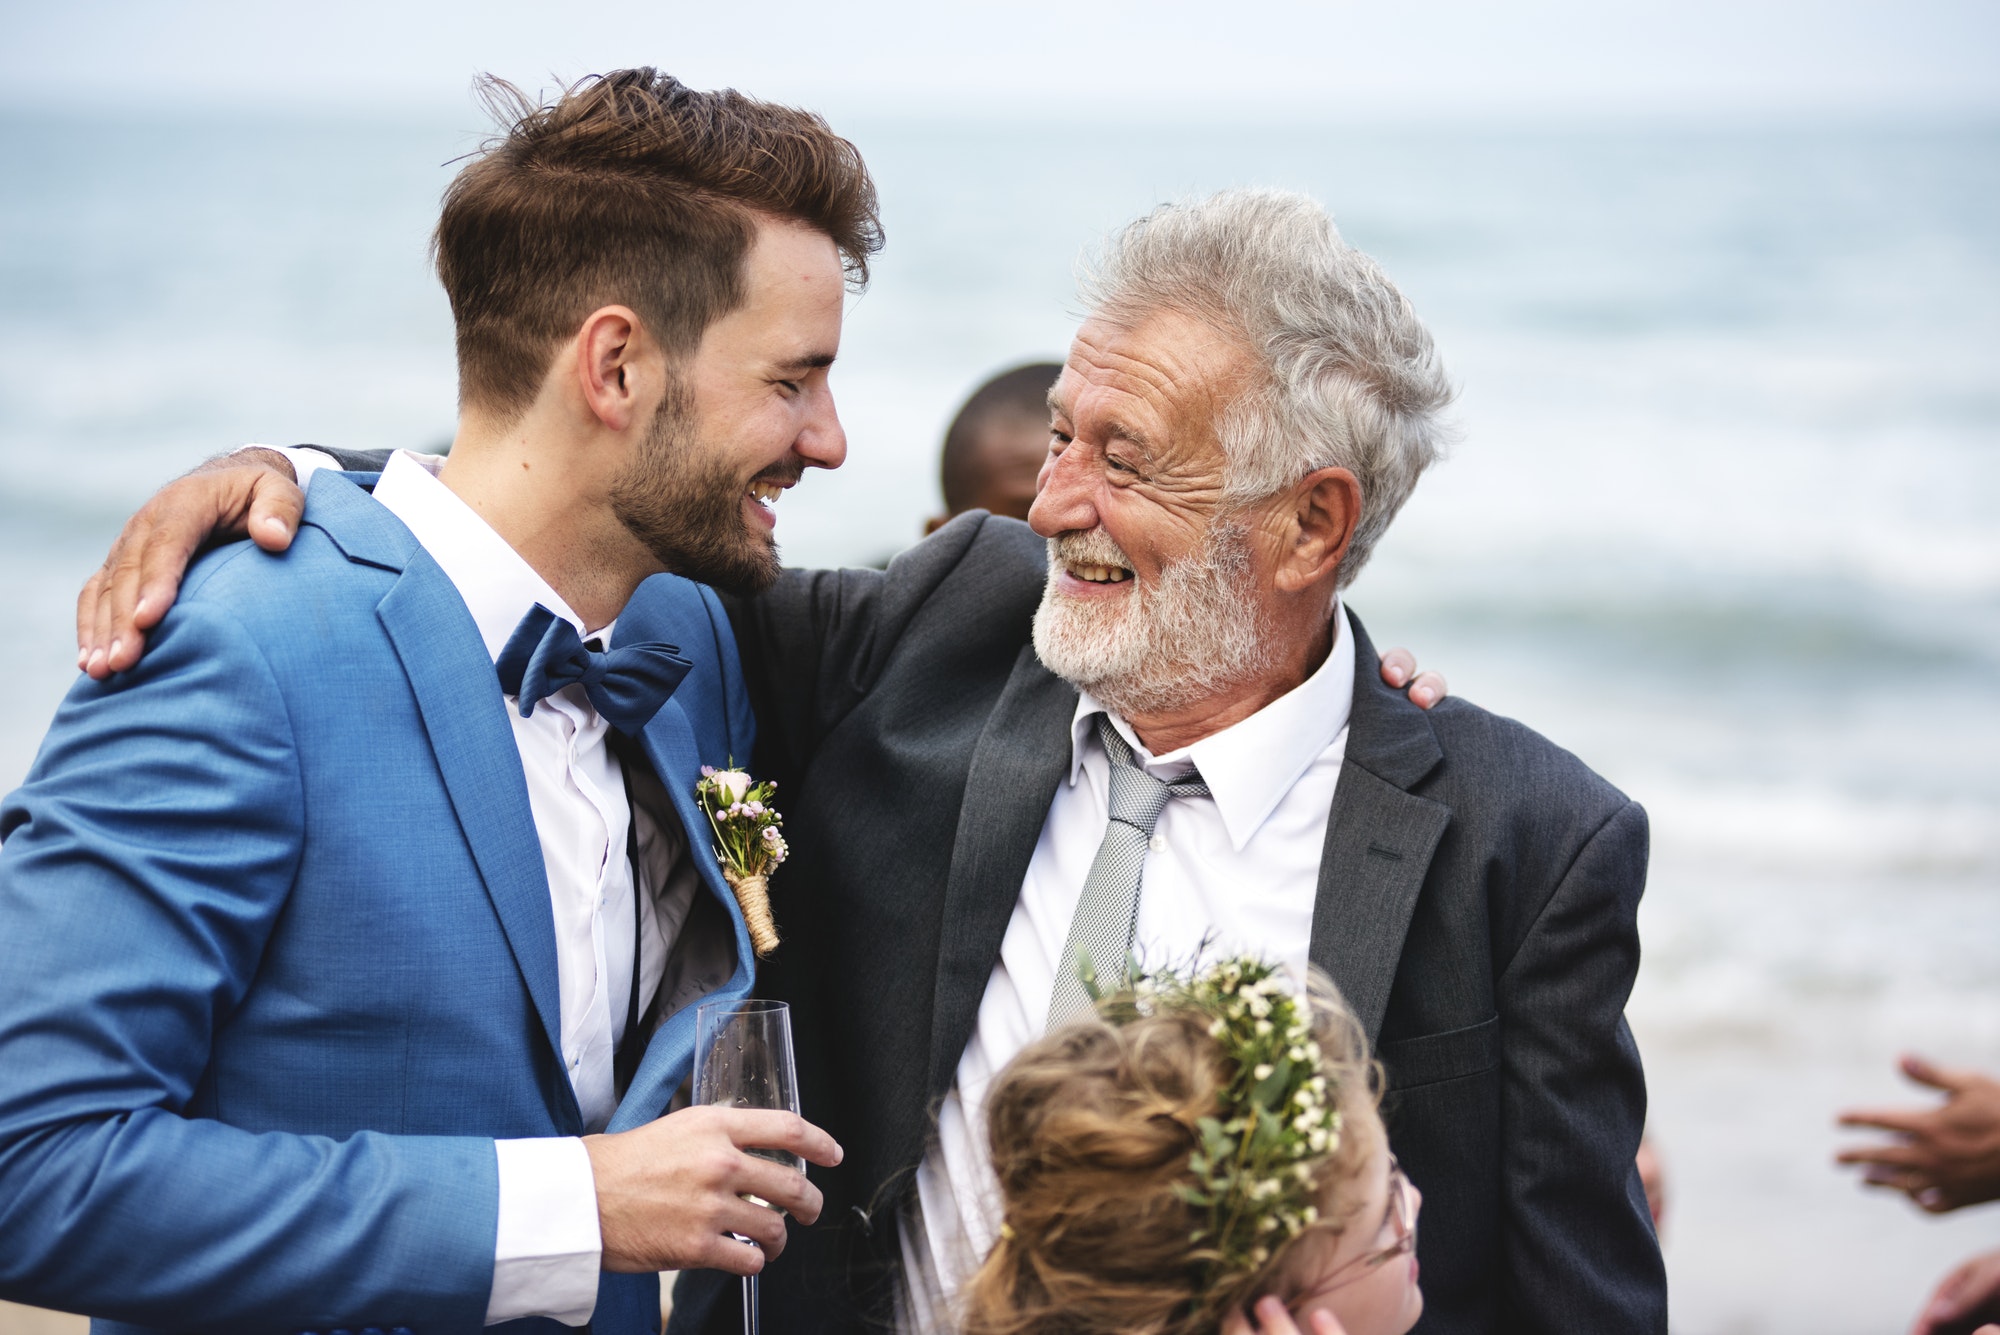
766,494
1096,574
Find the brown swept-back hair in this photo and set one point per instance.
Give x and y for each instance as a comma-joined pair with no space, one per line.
1091,1129
630,188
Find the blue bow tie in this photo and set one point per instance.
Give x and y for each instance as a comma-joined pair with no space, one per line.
628,685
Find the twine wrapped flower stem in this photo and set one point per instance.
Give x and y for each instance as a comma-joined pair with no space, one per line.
747,844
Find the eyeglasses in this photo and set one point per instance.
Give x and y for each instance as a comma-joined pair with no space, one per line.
1400,1215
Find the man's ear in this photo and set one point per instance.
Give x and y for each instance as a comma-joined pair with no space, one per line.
1326,507
613,369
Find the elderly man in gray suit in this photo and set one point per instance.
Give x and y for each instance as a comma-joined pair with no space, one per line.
1241,416
1146,721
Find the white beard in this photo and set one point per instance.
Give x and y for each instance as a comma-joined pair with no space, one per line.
1194,634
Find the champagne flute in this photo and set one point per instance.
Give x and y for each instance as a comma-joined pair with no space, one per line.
745,1061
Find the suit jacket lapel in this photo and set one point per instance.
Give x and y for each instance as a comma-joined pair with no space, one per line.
451,674
669,744
1023,753
1379,841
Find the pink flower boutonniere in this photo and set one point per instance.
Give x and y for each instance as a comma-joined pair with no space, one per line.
747,844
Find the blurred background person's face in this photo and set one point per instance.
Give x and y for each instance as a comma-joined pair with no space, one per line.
996,444
1010,458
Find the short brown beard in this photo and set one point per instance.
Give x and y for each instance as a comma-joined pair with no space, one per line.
1196,632
683,502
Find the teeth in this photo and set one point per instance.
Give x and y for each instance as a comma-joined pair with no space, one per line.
766,493
1100,574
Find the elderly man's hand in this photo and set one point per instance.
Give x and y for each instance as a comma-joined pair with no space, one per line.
252,493
1941,1157
1399,667
1967,1300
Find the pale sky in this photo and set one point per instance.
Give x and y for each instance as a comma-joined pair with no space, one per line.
1042,58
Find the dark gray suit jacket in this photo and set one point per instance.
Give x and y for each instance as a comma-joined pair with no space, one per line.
1476,905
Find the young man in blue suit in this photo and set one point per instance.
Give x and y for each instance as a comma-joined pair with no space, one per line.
350,944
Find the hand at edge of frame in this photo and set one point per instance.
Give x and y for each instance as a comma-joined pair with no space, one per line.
1970,1293
1942,1157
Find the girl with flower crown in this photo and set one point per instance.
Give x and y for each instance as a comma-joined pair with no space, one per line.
1201,1157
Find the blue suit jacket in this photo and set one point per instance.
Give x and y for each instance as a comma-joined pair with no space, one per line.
277,959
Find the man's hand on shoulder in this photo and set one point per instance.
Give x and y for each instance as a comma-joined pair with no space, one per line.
1399,669
251,493
670,1193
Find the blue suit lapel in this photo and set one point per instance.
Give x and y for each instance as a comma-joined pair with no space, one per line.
448,668
670,745
453,678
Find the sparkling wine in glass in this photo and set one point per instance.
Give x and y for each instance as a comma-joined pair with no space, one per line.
743,1055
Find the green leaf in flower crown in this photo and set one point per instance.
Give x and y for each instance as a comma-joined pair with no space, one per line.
1218,1143
1086,973
1271,1088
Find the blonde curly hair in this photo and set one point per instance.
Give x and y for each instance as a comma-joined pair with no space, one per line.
1091,1132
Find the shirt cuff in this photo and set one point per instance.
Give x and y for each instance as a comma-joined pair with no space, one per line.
305,460
548,1252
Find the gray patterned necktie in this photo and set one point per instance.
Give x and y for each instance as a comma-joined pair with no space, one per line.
1108,910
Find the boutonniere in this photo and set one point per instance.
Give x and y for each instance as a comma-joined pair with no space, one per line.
747,844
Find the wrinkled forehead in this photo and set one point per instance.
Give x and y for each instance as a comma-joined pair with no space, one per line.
1160,381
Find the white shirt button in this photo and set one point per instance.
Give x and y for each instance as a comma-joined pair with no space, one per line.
1159,842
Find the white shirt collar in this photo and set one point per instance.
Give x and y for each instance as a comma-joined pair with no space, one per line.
1250,765
497,585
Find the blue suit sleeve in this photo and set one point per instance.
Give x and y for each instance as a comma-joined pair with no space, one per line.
146,862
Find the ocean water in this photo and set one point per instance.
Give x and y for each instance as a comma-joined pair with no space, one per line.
1722,519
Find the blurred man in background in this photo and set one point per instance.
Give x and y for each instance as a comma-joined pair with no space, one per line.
994,449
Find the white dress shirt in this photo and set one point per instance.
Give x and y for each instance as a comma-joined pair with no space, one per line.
1238,870
547,1250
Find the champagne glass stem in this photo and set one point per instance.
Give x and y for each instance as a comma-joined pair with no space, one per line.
751,1325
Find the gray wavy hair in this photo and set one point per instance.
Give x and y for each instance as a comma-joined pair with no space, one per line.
1351,379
